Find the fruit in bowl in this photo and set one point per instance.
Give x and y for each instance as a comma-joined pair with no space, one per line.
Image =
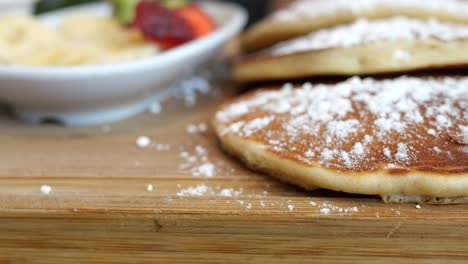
169,23
137,30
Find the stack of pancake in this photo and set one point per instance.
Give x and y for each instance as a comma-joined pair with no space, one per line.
403,137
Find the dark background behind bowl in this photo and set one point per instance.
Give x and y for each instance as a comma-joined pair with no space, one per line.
257,8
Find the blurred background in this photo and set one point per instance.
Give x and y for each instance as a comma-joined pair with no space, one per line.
257,8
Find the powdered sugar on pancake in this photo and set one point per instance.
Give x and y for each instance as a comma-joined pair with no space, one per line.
311,9
359,124
364,31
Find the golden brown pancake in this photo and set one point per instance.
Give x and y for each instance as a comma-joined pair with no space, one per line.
305,16
404,139
364,47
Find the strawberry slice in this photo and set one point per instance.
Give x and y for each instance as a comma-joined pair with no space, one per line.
172,27
200,22
162,25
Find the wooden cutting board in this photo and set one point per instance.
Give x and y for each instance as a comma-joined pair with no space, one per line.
99,209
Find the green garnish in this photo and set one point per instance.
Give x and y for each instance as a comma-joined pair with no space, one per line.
124,10
175,3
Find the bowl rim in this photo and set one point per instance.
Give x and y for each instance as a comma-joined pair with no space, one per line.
237,22
17,2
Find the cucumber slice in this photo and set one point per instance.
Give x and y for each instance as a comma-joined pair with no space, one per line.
173,4
124,10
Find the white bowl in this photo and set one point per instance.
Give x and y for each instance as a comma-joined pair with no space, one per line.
96,94
18,7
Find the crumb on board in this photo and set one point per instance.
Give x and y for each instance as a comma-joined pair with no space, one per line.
143,142
325,211
203,189
46,189
207,170
327,208
196,128
199,190
155,108
150,188
199,163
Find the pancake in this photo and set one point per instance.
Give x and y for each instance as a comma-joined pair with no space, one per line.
305,16
364,47
405,139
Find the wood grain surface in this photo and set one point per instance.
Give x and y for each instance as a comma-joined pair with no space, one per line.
99,209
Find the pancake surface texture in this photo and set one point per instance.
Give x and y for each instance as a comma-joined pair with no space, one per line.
305,16
391,45
405,139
